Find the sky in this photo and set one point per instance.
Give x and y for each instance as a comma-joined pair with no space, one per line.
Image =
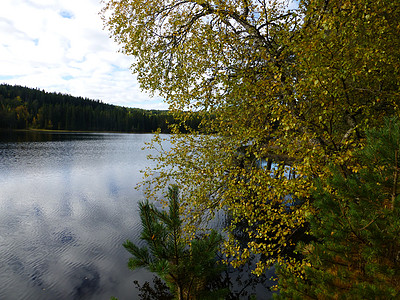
60,46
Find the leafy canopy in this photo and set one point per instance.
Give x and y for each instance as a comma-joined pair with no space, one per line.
294,87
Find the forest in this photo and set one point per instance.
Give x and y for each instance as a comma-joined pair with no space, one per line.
28,108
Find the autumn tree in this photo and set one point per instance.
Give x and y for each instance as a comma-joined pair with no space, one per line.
294,87
357,254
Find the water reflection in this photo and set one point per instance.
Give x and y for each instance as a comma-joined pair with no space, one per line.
43,136
67,203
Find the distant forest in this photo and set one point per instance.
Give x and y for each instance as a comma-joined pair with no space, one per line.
27,108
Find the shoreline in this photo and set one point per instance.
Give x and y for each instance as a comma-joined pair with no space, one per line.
67,131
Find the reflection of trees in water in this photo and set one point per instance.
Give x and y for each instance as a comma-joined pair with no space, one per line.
242,284
158,290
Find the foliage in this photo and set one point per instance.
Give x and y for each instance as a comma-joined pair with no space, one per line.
23,108
357,255
296,87
186,269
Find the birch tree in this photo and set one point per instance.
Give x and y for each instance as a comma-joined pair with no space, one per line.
283,93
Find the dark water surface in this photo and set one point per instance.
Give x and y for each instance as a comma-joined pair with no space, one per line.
67,203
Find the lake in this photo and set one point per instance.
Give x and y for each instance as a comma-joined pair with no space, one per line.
67,203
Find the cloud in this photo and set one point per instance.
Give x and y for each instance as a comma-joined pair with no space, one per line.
60,46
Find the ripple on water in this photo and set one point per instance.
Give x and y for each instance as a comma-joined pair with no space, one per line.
66,207
66,237
87,282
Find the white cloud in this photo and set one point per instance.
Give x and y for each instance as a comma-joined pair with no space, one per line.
59,45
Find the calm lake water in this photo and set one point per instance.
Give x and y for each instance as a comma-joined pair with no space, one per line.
67,203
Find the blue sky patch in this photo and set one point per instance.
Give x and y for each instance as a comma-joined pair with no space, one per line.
8,77
67,77
117,68
66,14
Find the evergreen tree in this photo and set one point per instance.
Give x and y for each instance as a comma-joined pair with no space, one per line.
25,108
357,255
187,269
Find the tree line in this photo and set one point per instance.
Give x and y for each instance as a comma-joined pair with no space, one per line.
28,108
